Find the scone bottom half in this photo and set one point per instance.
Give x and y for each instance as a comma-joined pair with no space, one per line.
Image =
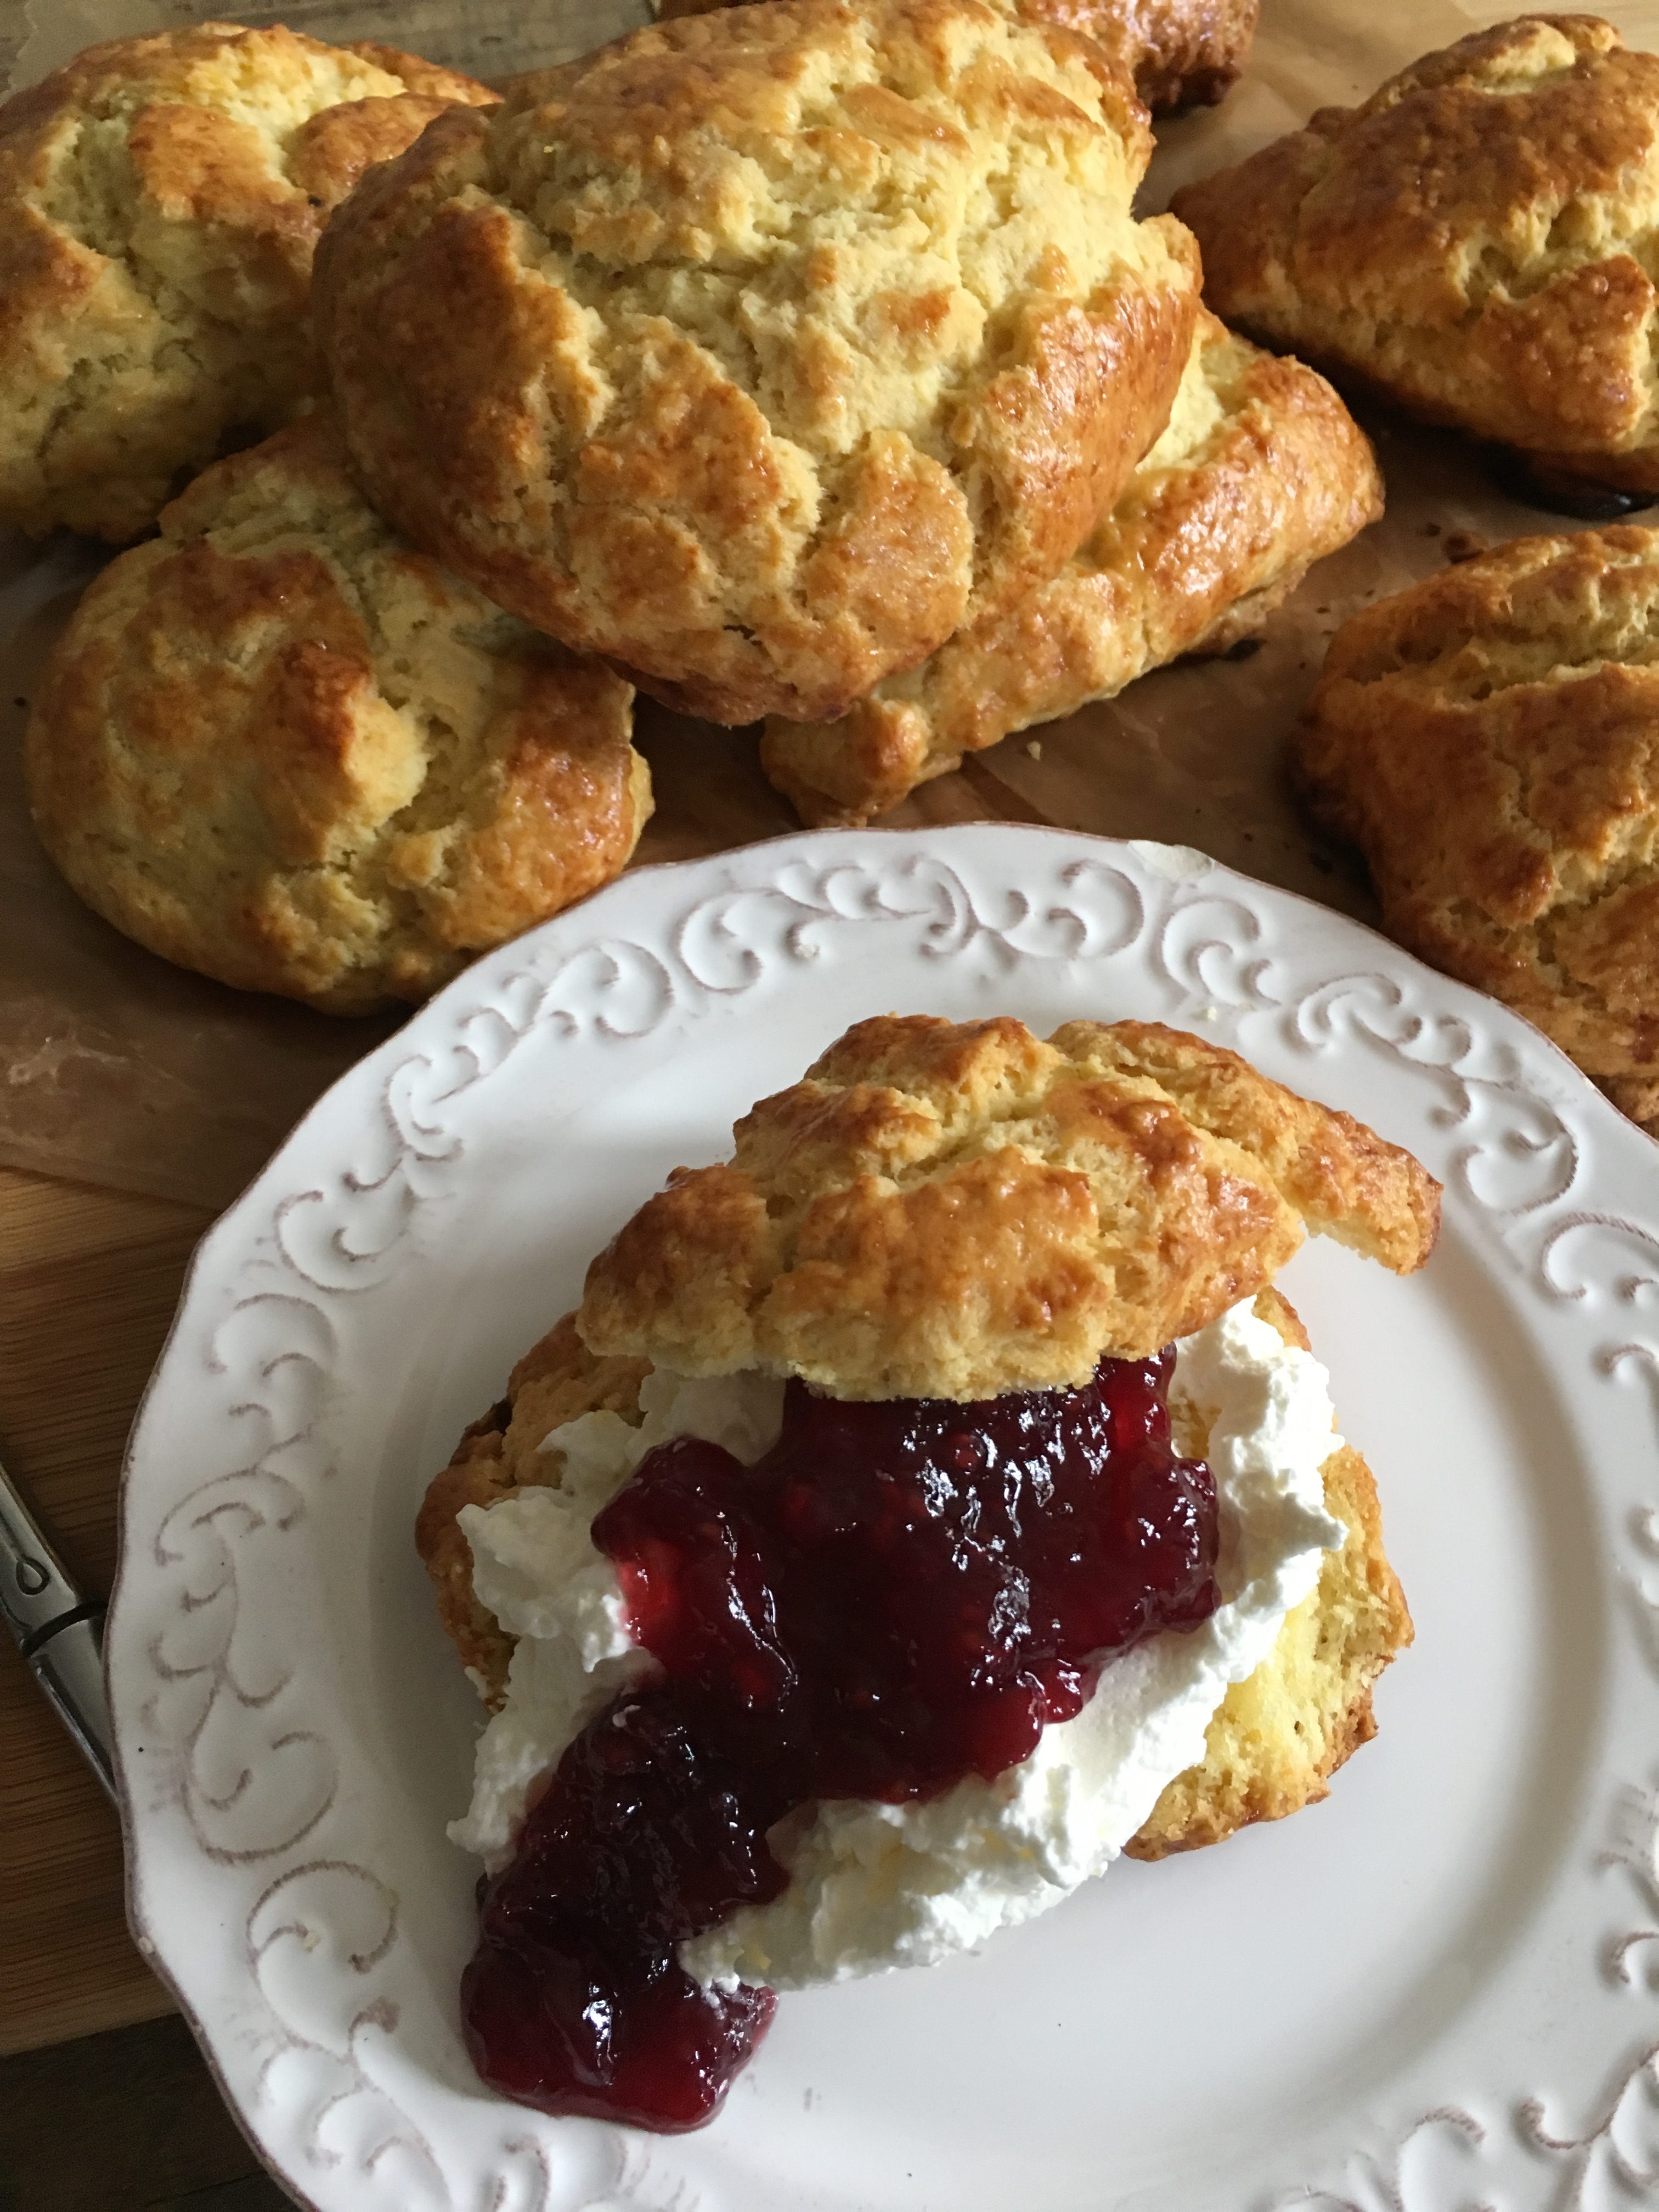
278,746
759,350
791,1583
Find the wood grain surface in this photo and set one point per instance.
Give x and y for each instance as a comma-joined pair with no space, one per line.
131,2121
88,1279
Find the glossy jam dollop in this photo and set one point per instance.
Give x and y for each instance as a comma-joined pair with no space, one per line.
899,1595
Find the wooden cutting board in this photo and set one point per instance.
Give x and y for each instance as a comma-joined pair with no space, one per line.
88,1279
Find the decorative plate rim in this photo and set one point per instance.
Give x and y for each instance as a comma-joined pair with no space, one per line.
1540,1084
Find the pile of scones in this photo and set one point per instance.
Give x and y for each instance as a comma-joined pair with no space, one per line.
806,364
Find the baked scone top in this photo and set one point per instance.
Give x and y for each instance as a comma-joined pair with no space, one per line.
1178,52
1182,51
160,198
1260,472
278,746
754,350
1490,740
955,1210
1477,240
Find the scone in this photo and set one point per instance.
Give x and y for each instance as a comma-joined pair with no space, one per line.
758,351
1181,54
1474,242
1275,1739
843,1574
1486,739
1260,473
278,745
159,200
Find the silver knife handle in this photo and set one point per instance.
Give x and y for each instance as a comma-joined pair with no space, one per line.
35,1586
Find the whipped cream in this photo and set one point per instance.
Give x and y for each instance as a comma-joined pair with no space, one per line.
536,1567
876,1886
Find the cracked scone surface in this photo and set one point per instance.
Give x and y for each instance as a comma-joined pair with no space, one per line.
1275,1739
759,350
161,199
278,745
1181,54
1261,471
943,1210
1490,741
1477,241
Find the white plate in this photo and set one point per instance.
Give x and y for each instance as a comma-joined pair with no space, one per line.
1438,1989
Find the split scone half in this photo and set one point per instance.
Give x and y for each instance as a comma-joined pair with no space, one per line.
758,351
160,198
1261,471
1474,243
943,1235
278,745
1276,1738
1487,741
1181,54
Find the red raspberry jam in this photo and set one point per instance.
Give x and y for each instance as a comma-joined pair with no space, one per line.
899,1594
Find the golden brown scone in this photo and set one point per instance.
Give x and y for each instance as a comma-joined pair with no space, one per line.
1279,1736
757,351
1275,1739
159,200
1488,741
557,1379
1474,242
278,745
946,1209
1261,471
1181,54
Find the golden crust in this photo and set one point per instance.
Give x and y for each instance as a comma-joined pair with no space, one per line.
1474,242
1279,1736
557,1379
1260,473
1487,740
1275,1739
649,356
277,746
160,198
1181,54
953,1211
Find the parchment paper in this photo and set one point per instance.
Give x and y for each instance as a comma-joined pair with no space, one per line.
116,1068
